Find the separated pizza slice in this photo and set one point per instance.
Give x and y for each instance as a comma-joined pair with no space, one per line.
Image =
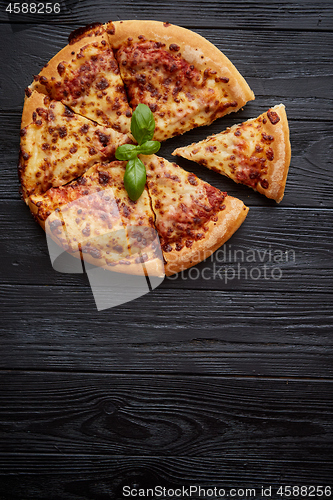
192,217
256,153
94,219
58,145
184,79
84,75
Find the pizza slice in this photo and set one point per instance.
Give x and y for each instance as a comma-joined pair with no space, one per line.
184,79
192,217
94,219
85,76
256,153
58,145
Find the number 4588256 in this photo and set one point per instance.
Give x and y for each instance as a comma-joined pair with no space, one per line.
33,8
304,491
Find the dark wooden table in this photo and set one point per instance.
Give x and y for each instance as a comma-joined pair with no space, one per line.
219,380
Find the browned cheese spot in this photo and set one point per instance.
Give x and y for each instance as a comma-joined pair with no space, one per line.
273,117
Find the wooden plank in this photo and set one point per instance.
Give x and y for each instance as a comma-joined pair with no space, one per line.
297,73
277,249
249,334
73,477
310,178
286,14
82,435
169,416
204,317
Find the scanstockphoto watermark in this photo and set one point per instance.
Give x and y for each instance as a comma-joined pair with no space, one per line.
238,493
188,492
234,263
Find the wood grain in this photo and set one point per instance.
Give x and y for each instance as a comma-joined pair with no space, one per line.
204,417
90,436
170,331
73,477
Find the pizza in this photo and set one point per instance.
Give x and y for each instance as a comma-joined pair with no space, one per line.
58,145
78,111
87,217
106,70
256,153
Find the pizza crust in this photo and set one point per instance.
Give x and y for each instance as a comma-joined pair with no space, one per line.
31,103
277,174
193,47
229,220
152,267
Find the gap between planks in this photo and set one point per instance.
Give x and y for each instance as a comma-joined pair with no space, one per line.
166,375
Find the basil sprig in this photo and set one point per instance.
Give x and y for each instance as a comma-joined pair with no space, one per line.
142,128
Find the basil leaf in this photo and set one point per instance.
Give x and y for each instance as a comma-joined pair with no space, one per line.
149,147
126,152
142,124
135,178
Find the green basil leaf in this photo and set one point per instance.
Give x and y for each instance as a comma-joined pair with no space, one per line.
126,152
149,147
135,178
142,124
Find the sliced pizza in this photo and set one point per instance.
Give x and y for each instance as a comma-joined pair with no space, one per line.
94,219
184,79
85,76
256,153
192,217
58,145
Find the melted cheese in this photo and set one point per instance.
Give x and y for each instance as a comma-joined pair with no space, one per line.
180,201
95,216
242,152
62,147
180,96
91,85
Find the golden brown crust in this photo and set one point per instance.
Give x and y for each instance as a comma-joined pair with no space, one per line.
36,100
194,48
229,220
277,175
34,210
